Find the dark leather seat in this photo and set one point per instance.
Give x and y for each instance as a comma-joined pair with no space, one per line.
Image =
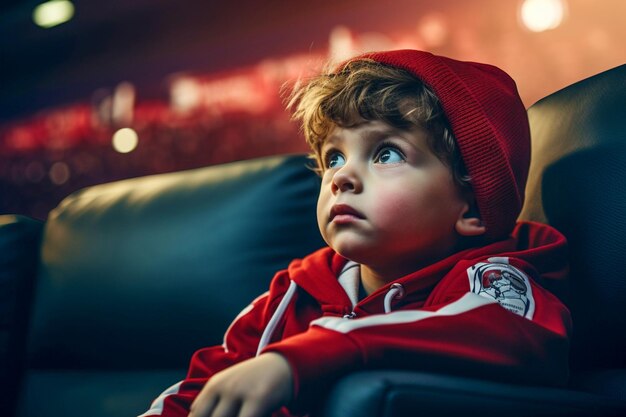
136,275
578,184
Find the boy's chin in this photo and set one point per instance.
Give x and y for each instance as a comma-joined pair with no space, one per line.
355,253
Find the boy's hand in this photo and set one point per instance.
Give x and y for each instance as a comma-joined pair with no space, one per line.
253,388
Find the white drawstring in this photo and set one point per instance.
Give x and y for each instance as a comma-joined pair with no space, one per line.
396,291
278,314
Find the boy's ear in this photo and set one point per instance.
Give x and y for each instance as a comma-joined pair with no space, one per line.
469,223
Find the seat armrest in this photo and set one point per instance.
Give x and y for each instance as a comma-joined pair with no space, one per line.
409,394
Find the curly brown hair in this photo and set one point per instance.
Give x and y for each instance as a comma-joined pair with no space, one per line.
364,89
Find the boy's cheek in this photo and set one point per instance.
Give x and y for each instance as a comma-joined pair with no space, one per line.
323,210
392,208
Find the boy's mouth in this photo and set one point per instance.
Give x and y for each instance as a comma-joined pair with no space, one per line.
341,213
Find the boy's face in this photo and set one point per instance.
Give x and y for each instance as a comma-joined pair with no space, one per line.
386,200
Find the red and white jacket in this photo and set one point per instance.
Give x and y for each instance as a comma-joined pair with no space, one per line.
479,312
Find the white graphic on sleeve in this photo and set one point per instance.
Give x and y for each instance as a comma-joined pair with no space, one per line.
504,283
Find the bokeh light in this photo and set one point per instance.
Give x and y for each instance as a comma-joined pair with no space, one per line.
125,140
433,29
185,94
59,173
542,15
53,13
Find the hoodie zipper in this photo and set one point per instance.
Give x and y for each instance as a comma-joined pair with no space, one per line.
395,292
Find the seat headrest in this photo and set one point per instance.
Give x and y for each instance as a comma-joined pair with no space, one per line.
577,183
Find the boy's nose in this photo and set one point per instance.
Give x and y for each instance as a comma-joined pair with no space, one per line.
346,180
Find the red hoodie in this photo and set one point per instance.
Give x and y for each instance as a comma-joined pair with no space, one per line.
479,312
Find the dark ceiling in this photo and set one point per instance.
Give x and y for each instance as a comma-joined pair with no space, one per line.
144,40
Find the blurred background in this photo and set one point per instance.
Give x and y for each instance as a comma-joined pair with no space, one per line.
95,91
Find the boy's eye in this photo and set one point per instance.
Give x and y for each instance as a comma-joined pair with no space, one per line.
335,160
389,156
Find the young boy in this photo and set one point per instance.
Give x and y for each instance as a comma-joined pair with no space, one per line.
423,162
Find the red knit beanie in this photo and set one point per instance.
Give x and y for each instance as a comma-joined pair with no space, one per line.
490,124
